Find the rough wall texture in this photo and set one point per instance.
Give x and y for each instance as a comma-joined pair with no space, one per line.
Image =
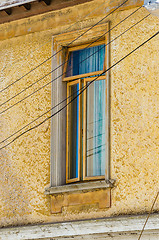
25,164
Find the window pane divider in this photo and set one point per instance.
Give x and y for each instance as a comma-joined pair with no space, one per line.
84,129
90,79
82,75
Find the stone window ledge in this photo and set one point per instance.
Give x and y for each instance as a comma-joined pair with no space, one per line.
87,186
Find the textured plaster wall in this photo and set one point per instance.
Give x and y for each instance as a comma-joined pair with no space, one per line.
25,164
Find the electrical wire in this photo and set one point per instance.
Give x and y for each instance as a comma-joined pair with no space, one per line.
57,68
148,215
76,91
64,62
66,46
46,119
40,116
56,35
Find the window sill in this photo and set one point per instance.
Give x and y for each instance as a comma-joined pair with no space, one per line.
79,195
87,186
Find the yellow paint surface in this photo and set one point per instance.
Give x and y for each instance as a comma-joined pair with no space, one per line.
25,164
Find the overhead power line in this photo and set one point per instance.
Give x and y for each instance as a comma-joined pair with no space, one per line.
56,35
61,49
81,91
75,92
148,215
59,67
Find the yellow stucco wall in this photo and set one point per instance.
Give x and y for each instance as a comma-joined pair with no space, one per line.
25,164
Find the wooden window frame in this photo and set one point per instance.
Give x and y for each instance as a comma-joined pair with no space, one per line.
80,47
72,80
87,178
68,180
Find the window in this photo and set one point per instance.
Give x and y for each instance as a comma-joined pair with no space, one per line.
80,133
85,136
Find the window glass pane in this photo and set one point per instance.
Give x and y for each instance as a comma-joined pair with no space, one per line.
73,126
86,60
95,129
